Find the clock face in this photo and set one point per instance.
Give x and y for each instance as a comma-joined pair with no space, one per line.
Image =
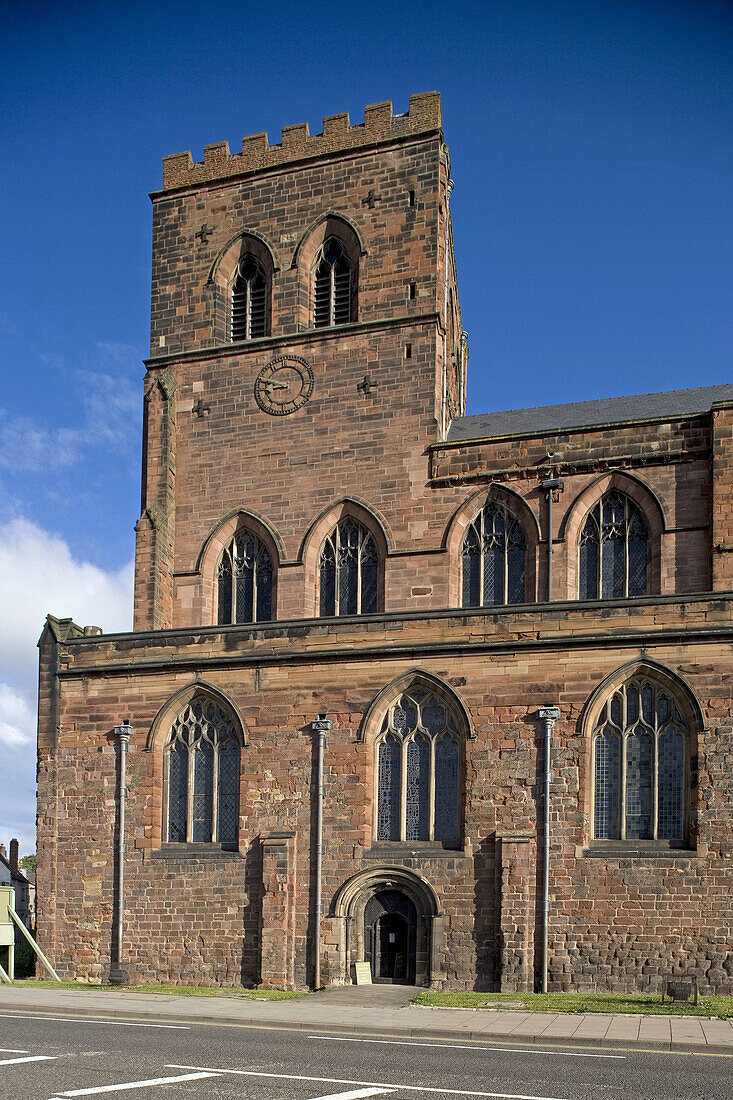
284,385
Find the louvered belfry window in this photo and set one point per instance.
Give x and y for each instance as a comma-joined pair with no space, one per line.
334,288
639,766
245,581
202,776
418,770
349,571
612,551
248,318
494,556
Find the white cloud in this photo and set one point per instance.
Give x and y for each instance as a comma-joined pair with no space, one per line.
38,574
17,719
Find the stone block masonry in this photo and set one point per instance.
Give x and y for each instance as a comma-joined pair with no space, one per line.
432,794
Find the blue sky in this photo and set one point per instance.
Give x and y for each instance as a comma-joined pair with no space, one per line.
591,147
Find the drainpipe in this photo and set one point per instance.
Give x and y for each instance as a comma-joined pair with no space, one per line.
320,728
548,716
117,975
550,485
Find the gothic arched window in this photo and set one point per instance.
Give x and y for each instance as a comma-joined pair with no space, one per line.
244,580
639,765
349,570
334,290
418,753
202,776
612,551
494,556
248,298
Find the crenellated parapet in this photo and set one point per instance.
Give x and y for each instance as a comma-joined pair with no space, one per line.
380,125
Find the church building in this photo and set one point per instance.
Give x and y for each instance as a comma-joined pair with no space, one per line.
447,695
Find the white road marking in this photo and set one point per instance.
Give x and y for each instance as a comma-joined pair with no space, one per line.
389,1086
356,1094
89,1020
12,1050
150,1083
465,1046
30,1058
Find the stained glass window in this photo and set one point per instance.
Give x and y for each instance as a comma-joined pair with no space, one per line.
248,317
244,578
613,550
639,743
494,555
607,780
417,821
446,790
418,752
334,286
349,571
390,755
202,773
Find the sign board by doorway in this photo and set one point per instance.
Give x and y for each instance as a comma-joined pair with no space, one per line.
363,973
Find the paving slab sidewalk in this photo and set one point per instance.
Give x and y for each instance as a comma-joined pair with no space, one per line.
683,1033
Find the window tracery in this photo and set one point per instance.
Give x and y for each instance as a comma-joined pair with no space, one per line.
349,570
202,776
639,765
613,549
245,581
418,770
494,558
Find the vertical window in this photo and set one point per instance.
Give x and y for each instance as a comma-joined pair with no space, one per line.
334,285
639,753
248,298
494,557
202,775
612,553
418,766
244,581
349,571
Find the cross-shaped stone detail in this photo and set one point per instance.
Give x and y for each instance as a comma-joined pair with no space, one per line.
203,233
371,199
367,385
200,409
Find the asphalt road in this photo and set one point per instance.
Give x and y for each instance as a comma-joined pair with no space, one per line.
44,1057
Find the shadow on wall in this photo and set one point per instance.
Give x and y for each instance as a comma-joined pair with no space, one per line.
487,914
251,967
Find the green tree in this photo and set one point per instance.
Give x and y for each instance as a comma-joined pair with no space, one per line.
28,863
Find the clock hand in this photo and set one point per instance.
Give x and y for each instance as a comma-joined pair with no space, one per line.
270,386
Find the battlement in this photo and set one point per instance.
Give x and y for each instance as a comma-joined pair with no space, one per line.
379,125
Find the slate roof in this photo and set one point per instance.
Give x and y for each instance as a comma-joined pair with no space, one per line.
589,414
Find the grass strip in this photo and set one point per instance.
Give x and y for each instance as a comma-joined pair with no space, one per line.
644,1004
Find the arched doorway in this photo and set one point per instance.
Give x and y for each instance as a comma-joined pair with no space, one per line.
390,937
390,917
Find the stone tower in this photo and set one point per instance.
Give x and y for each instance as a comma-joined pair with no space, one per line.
258,399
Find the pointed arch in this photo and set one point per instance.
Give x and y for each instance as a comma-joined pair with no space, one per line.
323,526
327,299
417,677
643,666
160,727
242,298
216,543
640,728
650,508
330,223
365,882
466,513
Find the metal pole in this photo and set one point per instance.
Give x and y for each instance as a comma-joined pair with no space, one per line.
117,975
548,716
551,485
320,728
